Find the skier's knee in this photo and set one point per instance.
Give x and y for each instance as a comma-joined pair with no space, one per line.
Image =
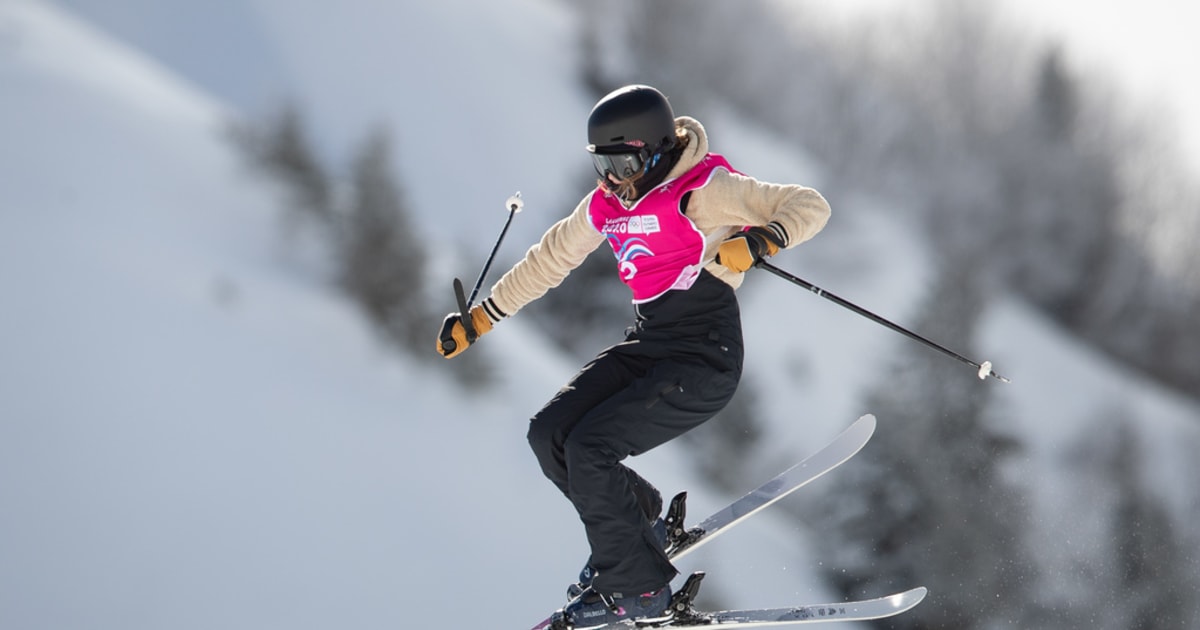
590,450
540,437
547,445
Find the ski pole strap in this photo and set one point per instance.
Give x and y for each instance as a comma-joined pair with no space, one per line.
464,311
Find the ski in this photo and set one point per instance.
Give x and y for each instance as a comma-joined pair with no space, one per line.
858,610
682,541
682,615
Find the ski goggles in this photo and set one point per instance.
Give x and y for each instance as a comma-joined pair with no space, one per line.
622,161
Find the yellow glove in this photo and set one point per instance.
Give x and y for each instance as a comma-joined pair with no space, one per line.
742,250
453,338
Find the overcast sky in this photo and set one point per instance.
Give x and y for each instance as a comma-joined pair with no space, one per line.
1149,45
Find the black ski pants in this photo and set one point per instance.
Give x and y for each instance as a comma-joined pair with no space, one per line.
677,368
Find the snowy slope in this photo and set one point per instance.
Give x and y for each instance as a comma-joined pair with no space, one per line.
189,437
193,436
481,97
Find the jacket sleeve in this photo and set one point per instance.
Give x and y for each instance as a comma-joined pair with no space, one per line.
562,248
732,200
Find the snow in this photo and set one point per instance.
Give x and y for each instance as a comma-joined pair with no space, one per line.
193,435
506,92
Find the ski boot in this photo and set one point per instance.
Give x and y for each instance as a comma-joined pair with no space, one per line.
648,610
596,610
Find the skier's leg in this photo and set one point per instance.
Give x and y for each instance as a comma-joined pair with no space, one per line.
671,399
609,373
648,497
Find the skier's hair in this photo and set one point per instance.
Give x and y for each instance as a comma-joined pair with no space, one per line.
627,188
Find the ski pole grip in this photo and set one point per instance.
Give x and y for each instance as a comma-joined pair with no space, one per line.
464,311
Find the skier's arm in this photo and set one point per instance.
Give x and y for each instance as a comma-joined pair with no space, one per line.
798,212
783,216
562,248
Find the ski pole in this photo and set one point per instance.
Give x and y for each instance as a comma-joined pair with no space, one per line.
985,368
514,205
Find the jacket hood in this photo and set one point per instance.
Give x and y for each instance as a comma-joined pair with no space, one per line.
696,149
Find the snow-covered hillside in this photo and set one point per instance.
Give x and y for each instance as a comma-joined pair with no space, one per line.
192,435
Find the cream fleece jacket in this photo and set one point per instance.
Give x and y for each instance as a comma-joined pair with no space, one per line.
726,205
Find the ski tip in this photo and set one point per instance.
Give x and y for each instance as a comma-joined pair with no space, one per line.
910,598
865,423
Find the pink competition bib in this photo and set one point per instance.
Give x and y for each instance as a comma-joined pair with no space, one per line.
658,248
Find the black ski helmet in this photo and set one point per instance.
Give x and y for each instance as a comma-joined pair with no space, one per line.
631,113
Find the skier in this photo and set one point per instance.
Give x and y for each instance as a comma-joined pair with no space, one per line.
684,226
